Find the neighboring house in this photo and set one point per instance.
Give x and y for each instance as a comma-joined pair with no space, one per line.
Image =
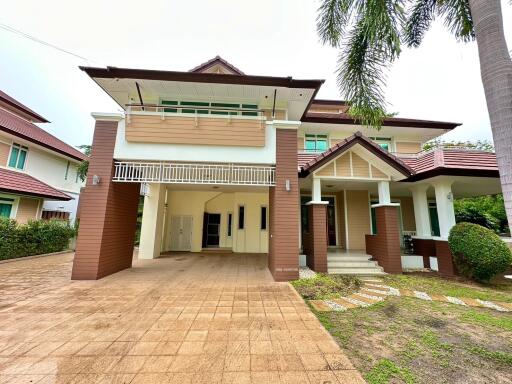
256,164
38,172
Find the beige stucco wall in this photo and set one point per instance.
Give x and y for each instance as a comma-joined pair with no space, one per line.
194,203
4,153
358,213
28,209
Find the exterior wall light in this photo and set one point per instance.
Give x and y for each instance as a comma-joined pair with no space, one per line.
95,180
449,196
287,185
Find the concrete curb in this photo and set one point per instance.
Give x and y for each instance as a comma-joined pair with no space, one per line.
35,256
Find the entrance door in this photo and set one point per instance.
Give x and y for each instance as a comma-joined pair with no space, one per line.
181,233
212,229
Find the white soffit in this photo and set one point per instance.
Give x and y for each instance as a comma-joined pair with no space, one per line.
403,133
124,91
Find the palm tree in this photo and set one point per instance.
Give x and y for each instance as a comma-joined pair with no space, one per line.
370,35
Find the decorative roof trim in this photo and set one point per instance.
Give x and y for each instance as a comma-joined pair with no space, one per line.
217,60
349,142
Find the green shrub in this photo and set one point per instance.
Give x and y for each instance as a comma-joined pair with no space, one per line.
478,252
34,238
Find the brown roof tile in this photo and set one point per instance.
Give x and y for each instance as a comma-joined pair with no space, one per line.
24,129
5,98
23,184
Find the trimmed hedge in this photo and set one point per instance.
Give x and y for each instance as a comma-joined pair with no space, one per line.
478,252
34,238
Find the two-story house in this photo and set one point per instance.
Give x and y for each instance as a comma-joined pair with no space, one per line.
257,164
38,172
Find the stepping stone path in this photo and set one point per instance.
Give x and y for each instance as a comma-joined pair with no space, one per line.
374,291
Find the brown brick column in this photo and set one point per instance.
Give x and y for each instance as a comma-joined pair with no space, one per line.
108,213
317,251
425,248
386,244
445,259
283,260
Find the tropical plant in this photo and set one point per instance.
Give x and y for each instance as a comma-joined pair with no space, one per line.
83,167
478,252
371,33
481,145
487,211
34,238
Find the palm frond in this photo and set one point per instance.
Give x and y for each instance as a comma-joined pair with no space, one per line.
373,43
418,22
333,17
457,18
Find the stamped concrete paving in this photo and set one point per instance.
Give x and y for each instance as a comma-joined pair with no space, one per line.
185,318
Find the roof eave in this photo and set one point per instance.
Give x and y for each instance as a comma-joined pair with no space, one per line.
150,74
386,123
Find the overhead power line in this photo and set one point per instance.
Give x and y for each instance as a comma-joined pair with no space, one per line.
37,40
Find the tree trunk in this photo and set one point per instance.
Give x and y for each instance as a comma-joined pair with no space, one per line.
496,71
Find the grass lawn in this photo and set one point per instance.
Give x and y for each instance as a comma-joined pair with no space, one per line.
406,340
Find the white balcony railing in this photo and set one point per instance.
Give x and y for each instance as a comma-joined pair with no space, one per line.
218,174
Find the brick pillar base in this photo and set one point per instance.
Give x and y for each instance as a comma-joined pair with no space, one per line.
317,249
108,213
425,248
283,261
386,245
445,259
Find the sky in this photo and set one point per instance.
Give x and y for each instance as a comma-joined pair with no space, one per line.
438,81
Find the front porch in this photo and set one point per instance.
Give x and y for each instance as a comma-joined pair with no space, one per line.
359,203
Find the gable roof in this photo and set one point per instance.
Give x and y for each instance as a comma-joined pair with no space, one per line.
349,142
15,125
23,184
19,107
217,60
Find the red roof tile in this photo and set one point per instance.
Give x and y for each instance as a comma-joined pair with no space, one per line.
24,129
5,98
23,184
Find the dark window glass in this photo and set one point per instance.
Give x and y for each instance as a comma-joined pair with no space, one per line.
263,218
230,223
241,217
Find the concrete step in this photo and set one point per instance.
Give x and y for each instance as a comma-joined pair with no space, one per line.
348,258
352,264
358,271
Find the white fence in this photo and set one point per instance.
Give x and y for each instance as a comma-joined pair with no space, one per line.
225,174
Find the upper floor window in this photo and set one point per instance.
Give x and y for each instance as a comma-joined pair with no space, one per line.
67,171
210,108
383,142
316,143
18,156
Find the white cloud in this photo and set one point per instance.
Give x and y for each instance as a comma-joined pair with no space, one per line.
439,81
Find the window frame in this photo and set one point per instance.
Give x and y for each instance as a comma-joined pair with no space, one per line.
316,138
241,213
384,140
20,148
13,201
263,216
230,224
66,174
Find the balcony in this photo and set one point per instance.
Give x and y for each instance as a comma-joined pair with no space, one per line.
194,173
196,125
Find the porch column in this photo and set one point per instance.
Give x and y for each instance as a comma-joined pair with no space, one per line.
444,202
316,249
108,210
385,245
421,214
284,208
152,222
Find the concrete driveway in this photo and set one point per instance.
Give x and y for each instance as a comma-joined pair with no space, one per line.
184,318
